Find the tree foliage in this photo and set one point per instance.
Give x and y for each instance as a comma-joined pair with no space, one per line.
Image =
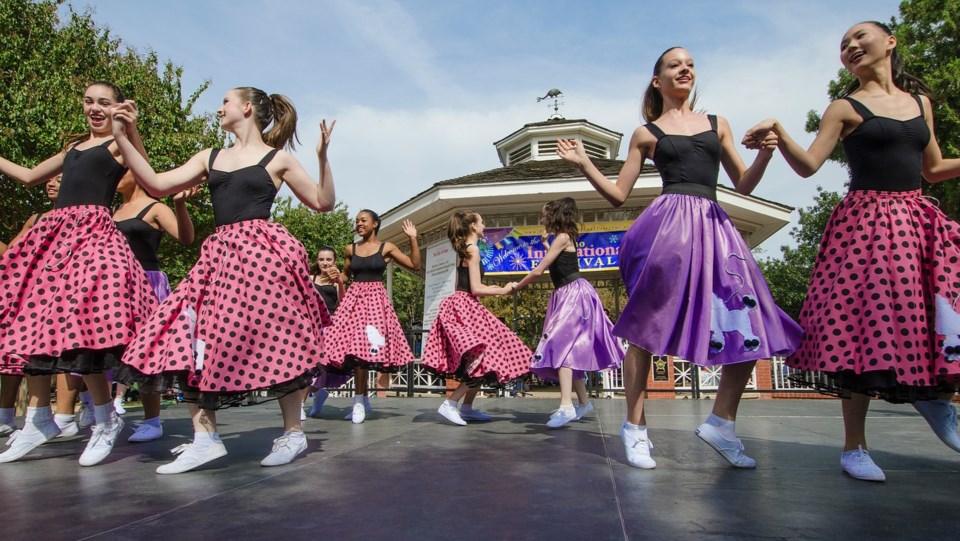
45,65
928,34
789,275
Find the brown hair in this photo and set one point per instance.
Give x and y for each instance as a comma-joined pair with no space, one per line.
273,109
562,216
652,106
458,228
71,139
901,79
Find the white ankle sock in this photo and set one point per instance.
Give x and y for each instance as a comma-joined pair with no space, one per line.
727,428
203,440
36,417
86,398
568,407
63,419
641,430
295,434
451,403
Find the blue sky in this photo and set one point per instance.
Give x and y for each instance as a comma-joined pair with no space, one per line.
421,89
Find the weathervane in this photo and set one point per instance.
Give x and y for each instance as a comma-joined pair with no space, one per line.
555,94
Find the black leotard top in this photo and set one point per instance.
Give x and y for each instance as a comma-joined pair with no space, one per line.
244,194
564,269
329,294
143,239
688,164
90,177
368,268
463,276
886,154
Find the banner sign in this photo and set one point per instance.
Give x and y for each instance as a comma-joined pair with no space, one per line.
511,250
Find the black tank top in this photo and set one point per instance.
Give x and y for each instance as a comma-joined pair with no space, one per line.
688,164
329,294
244,194
884,153
144,240
90,177
564,269
368,268
463,276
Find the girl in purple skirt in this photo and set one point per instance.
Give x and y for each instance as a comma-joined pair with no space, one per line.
467,342
694,289
246,316
73,294
880,313
577,334
328,280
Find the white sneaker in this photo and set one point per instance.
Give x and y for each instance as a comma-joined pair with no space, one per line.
451,413
303,414
366,408
85,415
101,442
561,417
118,407
732,451
470,414
21,443
637,449
859,465
359,413
583,410
68,430
189,457
6,429
285,449
942,418
146,432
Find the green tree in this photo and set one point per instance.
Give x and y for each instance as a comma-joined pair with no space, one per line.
46,63
789,275
928,33
315,229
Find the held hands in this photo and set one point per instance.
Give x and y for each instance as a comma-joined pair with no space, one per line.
333,274
510,288
325,133
409,229
186,194
572,151
124,115
757,137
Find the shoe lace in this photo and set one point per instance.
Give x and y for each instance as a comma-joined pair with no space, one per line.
181,448
101,436
13,437
281,444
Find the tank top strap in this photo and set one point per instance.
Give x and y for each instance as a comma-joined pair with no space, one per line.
145,210
860,108
920,104
654,129
266,159
380,249
353,249
106,143
713,122
213,158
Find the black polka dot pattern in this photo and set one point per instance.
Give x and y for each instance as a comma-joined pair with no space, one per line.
870,303
468,341
366,332
71,283
249,304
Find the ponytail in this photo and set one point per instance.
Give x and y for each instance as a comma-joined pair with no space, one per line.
274,109
652,106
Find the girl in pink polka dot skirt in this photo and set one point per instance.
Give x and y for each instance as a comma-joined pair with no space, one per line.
467,342
246,316
74,295
880,316
577,335
366,334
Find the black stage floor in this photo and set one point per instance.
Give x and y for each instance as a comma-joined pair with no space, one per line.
405,475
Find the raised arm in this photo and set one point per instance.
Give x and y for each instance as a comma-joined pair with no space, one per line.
560,243
156,184
320,196
935,167
392,252
744,178
615,192
805,162
31,176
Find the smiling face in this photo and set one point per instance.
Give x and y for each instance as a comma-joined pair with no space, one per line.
365,225
98,100
53,188
864,45
232,111
676,75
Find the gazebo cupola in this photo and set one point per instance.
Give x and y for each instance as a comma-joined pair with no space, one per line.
538,141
